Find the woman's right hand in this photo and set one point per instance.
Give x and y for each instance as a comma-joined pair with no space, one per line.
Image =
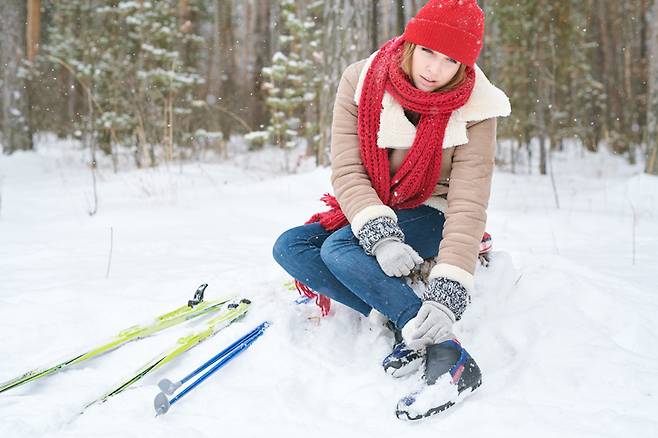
396,258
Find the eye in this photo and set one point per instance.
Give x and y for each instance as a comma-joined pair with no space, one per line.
452,60
425,49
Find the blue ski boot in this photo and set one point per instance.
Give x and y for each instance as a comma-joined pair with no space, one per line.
450,375
402,361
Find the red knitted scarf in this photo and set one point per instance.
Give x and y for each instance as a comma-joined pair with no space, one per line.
415,180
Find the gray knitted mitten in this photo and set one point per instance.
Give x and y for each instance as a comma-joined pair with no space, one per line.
383,238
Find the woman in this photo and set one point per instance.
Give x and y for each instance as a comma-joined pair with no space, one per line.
413,142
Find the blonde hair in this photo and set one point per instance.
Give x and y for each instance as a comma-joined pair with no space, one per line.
405,63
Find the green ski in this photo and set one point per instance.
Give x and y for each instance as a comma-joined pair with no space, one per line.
194,308
233,312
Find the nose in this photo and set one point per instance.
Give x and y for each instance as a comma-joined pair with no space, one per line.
433,68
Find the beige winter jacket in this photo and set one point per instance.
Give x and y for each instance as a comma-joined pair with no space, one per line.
462,192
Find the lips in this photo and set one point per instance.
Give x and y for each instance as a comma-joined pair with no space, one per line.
427,80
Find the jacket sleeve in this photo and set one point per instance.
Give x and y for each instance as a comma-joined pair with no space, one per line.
352,187
468,196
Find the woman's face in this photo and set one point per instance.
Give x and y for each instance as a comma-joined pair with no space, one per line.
431,70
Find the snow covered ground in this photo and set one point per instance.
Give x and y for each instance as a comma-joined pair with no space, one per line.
563,323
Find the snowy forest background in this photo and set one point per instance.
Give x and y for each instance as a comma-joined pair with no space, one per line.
160,81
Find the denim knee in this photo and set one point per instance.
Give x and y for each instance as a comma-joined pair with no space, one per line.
281,249
333,247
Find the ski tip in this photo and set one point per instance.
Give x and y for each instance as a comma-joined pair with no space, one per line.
161,404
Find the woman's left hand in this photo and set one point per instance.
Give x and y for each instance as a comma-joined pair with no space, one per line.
396,258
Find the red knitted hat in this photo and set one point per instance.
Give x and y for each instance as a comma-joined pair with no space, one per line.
452,27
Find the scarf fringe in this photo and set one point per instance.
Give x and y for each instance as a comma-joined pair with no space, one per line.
332,219
323,302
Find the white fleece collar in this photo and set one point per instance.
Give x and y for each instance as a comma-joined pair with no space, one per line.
396,131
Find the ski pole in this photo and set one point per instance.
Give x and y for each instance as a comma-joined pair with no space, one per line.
162,403
169,387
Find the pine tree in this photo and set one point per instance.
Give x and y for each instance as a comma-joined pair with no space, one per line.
291,83
583,93
128,57
514,70
159,89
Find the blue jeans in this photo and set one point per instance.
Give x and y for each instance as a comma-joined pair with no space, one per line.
334,264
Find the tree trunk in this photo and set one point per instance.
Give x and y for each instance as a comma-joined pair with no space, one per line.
374,28
417,4
400,17
652,100
541,69
605,63
639,68
16,132
259,117
228,92
187,20
33,27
